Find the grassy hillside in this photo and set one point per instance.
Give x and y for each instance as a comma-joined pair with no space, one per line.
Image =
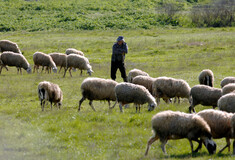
29,133
41,15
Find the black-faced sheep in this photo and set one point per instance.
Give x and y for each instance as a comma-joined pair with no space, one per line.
51,92
44,60
97,89
204,95
77,61
73,51
206,77
226,81
60,59
6,45
135,72
14,59
227,103
168,125
220,124
132,93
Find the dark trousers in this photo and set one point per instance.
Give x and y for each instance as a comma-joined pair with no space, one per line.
118,65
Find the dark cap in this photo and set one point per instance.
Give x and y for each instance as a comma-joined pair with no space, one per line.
120,38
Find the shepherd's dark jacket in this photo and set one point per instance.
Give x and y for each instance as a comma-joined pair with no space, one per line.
118,50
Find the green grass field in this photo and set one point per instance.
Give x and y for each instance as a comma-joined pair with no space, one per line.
28,133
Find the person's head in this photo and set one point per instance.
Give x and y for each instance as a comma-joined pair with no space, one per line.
120,40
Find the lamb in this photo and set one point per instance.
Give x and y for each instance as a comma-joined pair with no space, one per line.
73,51
135,72
204,95
227,103
6,45
220,124
42,59
168,125
97,89
77,61
14,59
60,59
228,88
165,87
133,93
206,77
51,92
226,81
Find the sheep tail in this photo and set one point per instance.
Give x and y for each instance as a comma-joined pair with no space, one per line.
41,93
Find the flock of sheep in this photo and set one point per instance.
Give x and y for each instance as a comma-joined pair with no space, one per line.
140,89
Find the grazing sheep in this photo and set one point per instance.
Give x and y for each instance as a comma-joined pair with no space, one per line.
226,81
227,103
73,51
204,95
97,89
42,59
59,59
14,59
168,125
220,124
206,77
145,81
135,72
51,92
77,61
133,93
165,87
6,45
228,88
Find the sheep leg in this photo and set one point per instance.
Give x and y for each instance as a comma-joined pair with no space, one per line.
80,103
42,104
5,67
233,147
90,103
175,99
65,72
109,103
51,105
113,105
81,72
70,72
178,100
120,106
20,71
191,144
150,141
228,145
60,68
191,107
163,145
1,69
199,146
42,69
136,106
17,70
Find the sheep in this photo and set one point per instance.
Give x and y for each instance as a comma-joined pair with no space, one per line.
77,61
60,59
133,93
145,81
73,51
14,59
228,88
51,92
6,45
204,95
97,89
226,81
135,72
227,103
166,87
168,125
206,77
42,59
220,124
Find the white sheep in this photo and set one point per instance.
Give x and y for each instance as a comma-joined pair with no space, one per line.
135,72
168,125
227,102
206,77
60,59
42,59
6,45
77,61
166,87
220,124
226,81
73,51
228,88
132,93
145,81
97,89
204,95
51,92
14,59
